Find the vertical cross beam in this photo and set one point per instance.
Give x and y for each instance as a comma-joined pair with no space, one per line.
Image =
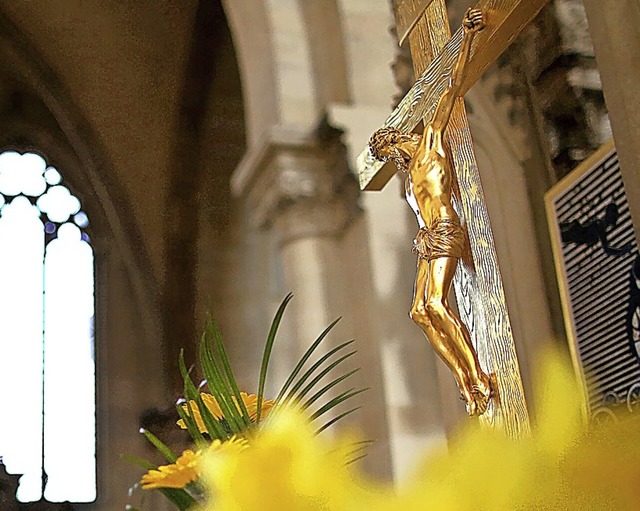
480,285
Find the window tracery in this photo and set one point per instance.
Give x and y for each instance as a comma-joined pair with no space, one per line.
47,368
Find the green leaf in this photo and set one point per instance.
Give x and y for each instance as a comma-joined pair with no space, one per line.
139,461
358,458
336,419
192,427
219,388
180,498
318,377
336,401
191,394
228,372
266,355
303,360
161,446
214,428
359,446
325,389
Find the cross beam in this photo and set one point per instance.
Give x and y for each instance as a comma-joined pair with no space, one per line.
505,20
478,286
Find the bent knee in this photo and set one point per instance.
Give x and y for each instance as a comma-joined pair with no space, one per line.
418,313
435,309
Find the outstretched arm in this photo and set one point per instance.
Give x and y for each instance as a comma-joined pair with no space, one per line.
472,23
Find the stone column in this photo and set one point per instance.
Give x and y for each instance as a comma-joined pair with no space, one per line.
301,189
614,26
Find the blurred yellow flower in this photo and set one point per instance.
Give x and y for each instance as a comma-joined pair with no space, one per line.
250,401
187,467
560,466
286,467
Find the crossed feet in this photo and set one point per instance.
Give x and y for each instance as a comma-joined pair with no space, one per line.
477,396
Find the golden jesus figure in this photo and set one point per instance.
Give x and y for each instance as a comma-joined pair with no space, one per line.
427,164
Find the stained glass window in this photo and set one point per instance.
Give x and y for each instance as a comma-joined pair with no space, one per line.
47,369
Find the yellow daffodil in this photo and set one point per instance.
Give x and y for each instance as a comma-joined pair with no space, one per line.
286,467
250,402
187,467
559,466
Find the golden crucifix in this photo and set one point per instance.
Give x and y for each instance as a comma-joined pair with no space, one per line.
428,166
435,54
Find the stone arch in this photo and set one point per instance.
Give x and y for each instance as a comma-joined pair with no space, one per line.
252,38
323,21
284,83
124,334
78,149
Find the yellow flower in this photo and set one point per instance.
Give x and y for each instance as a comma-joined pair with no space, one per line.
560,466
233,445
250,402
286,467
176,475
187,467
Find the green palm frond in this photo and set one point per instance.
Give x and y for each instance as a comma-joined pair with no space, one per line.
344,396
302,382
160,445
227,373
317,372
219,385
268,346
296,387
139,461
326,388
191,395
331,422
307,355
357,453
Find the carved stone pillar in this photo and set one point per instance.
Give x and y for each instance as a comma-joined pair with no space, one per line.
301,189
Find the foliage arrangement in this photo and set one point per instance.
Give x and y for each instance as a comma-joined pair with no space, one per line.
226,420
254,453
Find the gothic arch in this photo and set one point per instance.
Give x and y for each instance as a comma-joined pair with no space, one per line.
75,147
126,329
283,84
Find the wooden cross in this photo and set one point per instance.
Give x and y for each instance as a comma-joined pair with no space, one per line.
434,52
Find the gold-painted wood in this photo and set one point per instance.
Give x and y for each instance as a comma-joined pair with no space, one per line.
479,291
407,16
505,20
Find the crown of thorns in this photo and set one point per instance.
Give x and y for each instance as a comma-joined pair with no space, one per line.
383,138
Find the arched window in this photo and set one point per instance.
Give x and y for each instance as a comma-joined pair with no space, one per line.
47,369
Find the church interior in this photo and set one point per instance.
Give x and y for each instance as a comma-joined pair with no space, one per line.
206,154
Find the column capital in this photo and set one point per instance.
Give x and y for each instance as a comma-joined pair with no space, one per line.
300,184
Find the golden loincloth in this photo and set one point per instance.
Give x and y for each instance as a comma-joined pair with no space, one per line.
443,238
